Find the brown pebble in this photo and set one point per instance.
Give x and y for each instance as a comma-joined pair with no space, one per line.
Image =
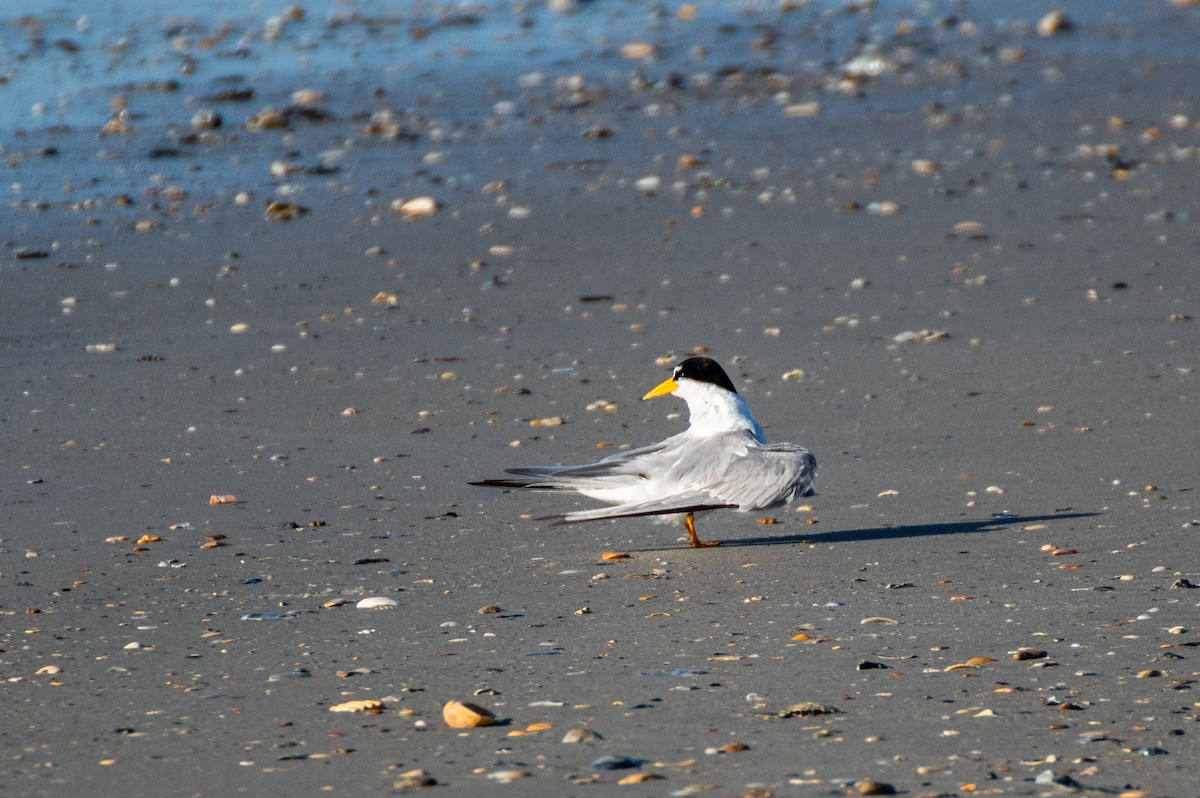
733,748
1028,653
872,787
488,610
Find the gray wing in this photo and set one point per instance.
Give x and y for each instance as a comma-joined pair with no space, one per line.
766,476
616,470
736,469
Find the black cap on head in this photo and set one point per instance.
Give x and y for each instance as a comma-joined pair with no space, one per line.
704,369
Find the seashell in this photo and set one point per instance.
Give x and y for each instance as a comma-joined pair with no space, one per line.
206,119
267,119
465,715
416,208
363,705
639,51
377,603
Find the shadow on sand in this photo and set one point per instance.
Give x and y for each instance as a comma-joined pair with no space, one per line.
893,532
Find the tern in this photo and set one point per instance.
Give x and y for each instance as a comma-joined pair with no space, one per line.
721,461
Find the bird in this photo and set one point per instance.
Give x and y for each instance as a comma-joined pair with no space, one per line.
721,461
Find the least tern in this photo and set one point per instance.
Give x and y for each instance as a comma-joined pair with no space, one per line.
722,460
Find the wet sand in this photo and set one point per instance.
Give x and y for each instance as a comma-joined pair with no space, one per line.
975,242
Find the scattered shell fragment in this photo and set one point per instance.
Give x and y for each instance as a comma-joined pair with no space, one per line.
283,211
377,603
413,779
205,119
465,715
48,670
369,705
879,619
580,736
924,167
649,183
307,97
102,348
639,51
267,119
614,555
416,208
1150,673
793,374
804,110
148,539
552,421
1053,23
641,778
1028,653
222,498
507,776
806,709
872,787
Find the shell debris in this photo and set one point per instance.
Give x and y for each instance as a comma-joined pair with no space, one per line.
465,715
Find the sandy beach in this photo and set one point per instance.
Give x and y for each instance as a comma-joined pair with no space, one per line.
279,282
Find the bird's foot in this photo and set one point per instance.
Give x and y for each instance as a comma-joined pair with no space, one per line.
697,543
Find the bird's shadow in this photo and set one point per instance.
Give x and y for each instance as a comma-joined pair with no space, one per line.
892,532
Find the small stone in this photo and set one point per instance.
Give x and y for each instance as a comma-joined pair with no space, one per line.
733,748
581,736
1028,653
465,715
1150,673
872,787
490,609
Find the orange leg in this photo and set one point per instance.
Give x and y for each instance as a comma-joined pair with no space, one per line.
697,543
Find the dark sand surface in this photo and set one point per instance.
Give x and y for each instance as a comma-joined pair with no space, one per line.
1022,475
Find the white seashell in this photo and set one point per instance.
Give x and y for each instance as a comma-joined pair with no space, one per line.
377,603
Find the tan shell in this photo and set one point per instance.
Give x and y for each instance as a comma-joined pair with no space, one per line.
364,705
465,715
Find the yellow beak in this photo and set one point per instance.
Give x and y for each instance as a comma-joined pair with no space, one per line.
662,389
